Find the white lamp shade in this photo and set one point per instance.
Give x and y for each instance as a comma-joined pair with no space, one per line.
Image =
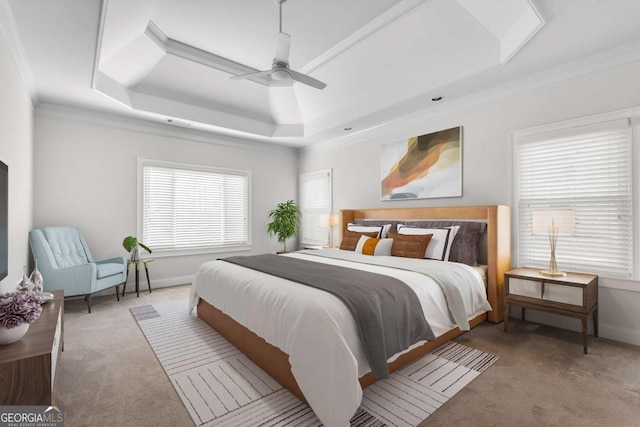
329,220
334,220
563,219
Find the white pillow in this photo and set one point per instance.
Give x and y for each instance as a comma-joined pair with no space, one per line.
365,229
374,246
385,228
440,244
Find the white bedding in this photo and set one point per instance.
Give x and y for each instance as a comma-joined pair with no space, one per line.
315,328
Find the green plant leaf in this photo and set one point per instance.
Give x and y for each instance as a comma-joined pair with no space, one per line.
285,221
145,247
129,243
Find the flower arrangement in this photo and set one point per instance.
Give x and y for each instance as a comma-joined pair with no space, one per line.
17,308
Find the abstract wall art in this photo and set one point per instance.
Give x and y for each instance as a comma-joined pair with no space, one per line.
422,167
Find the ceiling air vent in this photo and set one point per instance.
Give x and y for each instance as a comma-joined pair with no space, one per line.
177,122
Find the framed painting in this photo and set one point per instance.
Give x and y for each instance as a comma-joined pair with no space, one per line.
422,167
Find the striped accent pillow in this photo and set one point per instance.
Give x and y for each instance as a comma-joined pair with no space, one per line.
409,245
350,239
374,246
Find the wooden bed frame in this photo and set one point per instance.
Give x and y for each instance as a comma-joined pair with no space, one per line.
276,362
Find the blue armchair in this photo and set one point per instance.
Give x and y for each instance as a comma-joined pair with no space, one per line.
66,263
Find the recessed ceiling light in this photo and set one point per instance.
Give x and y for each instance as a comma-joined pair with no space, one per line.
347,128
436,98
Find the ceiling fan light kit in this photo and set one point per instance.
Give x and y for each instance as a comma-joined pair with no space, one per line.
280,70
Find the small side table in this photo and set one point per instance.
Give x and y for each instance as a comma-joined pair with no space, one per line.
574,295
146,270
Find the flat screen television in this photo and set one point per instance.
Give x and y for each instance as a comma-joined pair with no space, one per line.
4,220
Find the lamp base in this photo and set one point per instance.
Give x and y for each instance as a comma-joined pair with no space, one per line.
555,273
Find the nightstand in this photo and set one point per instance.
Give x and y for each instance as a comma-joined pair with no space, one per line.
574,295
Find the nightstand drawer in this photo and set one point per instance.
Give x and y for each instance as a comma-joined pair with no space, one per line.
525,288
572,295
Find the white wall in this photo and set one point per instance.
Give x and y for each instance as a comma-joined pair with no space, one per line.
16,150
86,175
487,155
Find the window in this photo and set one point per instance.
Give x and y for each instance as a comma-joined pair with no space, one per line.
586,166
315,200
188,207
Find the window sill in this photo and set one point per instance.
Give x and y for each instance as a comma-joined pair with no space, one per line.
165,253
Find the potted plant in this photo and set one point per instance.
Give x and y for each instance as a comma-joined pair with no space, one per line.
285,221
17,310
131,244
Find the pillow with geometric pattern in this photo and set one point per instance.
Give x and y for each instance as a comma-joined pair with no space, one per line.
350,239
409,246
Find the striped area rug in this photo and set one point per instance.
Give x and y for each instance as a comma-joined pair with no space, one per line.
220,386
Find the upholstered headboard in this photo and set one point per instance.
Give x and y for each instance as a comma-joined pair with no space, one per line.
496,239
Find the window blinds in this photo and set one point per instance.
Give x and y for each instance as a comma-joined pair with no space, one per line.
315,200
589,169
194,209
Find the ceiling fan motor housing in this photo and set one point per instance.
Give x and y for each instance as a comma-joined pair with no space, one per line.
280,71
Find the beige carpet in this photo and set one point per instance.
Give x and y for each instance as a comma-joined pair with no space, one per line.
109,376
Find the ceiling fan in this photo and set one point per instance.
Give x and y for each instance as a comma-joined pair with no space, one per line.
280,70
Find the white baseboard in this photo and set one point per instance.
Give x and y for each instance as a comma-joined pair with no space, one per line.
617,333
605,330
155,284
158,283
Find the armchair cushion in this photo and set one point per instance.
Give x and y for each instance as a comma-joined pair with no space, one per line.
66,247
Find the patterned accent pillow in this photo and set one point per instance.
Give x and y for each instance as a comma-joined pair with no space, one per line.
350,239
373,246
409,246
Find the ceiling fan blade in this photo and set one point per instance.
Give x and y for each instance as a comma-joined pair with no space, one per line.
310,81
249,75
283,47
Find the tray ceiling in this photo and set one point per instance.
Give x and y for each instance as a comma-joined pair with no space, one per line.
171,60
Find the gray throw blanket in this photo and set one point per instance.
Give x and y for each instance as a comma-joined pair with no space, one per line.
387,311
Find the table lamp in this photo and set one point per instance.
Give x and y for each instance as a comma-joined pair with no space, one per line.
554,222
331,220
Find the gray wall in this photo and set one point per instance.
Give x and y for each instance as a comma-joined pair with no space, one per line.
86,175
487,174
16,150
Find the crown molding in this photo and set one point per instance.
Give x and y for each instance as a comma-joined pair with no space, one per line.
390,16
615,58
118,122
9,33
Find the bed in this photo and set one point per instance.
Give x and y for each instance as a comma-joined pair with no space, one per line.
325,366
